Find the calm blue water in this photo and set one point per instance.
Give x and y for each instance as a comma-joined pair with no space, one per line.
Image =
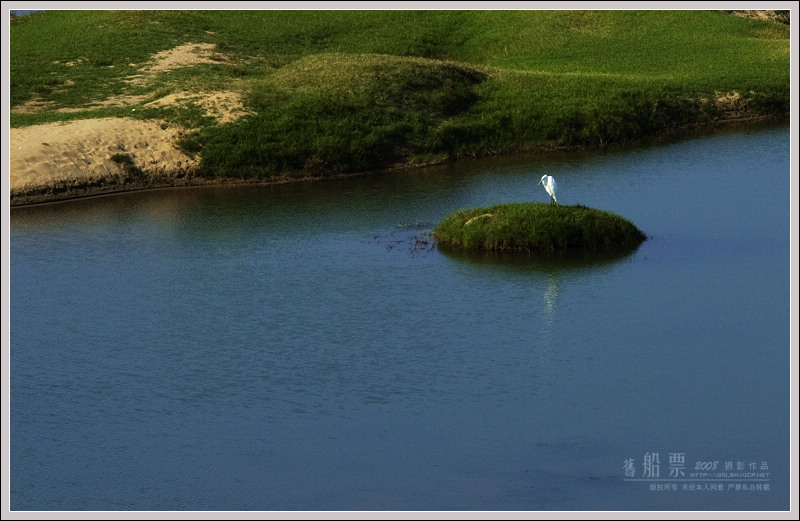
301,347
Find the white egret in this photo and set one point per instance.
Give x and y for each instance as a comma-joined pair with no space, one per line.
550,187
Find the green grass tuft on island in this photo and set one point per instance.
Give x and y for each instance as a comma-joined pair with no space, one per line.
536,227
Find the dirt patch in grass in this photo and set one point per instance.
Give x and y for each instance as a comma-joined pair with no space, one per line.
733,108
186,55
33,106
224,106
775,16
119,101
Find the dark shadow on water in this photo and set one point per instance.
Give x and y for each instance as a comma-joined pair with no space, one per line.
575,259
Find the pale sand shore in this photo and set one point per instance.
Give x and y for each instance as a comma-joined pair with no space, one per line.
60,161
45,155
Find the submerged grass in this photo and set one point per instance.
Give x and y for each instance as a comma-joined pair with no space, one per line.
537,226
333,92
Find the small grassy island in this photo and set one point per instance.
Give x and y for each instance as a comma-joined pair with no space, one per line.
536,226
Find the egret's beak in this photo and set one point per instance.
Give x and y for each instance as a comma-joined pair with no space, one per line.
540,182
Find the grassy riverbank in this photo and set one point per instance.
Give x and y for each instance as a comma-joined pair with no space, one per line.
265,95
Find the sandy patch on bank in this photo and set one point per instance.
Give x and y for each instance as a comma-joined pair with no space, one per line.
186,55
224,106
44,154
73,159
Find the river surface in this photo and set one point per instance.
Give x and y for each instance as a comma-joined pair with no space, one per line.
309,347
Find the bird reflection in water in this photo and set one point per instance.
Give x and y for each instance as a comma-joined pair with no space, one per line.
552,288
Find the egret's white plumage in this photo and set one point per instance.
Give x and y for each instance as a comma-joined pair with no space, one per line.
550,187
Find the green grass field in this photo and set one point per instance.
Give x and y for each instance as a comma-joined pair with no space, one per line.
333,92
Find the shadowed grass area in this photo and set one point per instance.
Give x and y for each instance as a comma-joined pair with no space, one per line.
536,227
339,113
128,166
